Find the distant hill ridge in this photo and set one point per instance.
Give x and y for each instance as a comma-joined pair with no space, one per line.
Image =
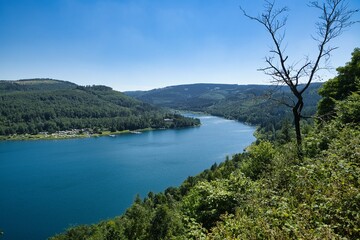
201,90
174,94
255,104
35,84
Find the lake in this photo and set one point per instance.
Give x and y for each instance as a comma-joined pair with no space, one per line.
48,186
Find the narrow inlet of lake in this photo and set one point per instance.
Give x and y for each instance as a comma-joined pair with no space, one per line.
48,186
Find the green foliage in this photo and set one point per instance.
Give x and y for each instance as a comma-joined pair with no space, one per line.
341,87
319,201
136,221
259,160
349,110
207,201
166,223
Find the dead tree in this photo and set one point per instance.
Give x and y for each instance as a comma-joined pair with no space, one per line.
334,18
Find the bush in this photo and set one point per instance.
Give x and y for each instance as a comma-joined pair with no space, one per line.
260,157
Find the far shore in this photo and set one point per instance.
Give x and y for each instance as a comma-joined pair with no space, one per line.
62,135
59,135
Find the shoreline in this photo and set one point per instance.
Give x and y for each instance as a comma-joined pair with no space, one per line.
57,136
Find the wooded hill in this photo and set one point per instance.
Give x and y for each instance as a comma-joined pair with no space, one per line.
256,104
46,105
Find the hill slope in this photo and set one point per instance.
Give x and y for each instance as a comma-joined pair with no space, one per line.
196,96
46,105
255,104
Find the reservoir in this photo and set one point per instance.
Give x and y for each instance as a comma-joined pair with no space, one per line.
48,186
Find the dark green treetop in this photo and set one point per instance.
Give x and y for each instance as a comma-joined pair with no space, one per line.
339,88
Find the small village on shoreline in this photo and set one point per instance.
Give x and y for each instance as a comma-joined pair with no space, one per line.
73,133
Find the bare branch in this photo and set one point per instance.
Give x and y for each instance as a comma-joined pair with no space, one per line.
335,16
301,72
334,19
284,100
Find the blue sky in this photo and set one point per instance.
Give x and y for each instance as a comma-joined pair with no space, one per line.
145,44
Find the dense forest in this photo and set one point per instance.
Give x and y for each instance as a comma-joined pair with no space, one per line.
261,105
45,105
266,192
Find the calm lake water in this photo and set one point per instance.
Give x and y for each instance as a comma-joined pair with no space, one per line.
47,186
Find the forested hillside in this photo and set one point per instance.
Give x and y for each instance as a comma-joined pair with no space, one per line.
267,192
256,104
46,105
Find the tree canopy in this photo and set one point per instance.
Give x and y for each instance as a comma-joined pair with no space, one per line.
341,87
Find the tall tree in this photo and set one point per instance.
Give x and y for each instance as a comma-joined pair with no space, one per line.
340,87
334,18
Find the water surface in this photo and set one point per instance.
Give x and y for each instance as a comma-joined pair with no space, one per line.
47,186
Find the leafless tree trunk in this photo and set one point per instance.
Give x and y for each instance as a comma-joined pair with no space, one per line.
333,19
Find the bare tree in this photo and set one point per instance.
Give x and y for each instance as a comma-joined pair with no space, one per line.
334,18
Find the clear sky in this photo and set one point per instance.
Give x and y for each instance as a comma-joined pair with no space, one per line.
145,44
